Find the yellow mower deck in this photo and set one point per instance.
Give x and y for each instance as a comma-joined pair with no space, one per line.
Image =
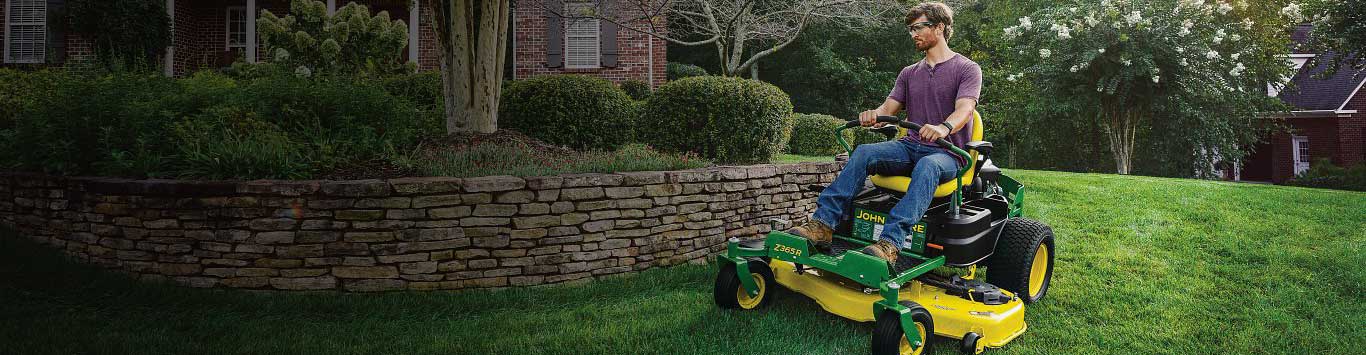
953,316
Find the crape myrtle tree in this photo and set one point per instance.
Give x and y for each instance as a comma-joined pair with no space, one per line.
1192,72
471,35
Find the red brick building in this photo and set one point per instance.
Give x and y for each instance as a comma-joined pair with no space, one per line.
1327,120
208,34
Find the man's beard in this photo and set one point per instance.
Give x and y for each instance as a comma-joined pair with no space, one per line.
925,45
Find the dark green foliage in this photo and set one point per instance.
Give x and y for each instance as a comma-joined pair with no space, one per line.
208,125
814,134
1323,174
731,120
126,33
520,159
637,90
579,111
676,71
229,142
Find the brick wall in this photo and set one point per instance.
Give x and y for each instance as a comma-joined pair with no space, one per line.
1352,132
1322,133
633,51
414,233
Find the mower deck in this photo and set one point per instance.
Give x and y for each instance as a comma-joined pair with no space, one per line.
953,315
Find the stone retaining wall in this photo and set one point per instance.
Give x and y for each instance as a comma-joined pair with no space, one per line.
410,233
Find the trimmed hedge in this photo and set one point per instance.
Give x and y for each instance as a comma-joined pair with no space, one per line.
731,120
636,89
675,71
814,134
579,111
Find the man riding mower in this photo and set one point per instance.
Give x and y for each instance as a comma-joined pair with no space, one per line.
974,219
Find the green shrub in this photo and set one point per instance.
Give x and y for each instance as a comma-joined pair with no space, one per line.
140,126
338,120
100,125
731,120
637,90
676,71
1323,174
578,111
231,143
814,134
519,159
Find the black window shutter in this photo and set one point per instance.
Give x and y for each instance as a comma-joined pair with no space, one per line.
554,34
607,34
56,31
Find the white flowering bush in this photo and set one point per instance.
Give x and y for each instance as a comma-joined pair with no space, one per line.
351,41
1196,68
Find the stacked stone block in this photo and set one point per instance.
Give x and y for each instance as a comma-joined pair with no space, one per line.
409,233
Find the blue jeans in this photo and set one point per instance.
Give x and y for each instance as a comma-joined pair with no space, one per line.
928,167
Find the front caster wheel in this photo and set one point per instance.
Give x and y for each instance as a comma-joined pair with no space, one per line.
969,345
889,337
729,294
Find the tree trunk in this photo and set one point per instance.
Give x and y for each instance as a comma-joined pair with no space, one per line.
471,35
754,71
1121,128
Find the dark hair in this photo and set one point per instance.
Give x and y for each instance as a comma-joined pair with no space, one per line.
936,12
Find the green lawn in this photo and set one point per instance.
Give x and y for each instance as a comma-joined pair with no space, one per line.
1144,266
793,158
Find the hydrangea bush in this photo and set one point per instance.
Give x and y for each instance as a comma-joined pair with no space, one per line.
1196,69
351,41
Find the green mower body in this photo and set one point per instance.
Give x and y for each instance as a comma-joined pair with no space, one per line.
979,224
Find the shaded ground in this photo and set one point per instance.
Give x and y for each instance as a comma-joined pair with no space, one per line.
1145,266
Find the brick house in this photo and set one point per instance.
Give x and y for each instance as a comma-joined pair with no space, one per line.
210,34
1327,120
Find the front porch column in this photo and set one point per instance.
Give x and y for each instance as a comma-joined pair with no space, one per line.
170,47
332,7
414,15
251,31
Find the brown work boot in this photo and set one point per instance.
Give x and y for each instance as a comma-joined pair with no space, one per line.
883,249
815,231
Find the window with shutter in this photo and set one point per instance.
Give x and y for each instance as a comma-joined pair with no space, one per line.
237,27
25,31
580,37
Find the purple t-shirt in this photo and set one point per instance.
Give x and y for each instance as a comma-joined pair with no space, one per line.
928,94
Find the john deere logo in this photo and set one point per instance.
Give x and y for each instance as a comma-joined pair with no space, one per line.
863,215
787,249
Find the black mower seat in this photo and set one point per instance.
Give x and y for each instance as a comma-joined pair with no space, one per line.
900,183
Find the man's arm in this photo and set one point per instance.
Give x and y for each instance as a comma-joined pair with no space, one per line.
888,108
962,113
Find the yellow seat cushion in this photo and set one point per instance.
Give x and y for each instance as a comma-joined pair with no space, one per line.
900,183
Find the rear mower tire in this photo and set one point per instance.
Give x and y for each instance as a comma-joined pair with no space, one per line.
1013,266
729,294
890,339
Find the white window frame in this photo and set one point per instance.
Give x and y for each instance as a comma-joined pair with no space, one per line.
227,28
597,33
1298,143
9,35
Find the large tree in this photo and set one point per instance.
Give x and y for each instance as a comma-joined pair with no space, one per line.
471,35
743,32
1190,70
1339,27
